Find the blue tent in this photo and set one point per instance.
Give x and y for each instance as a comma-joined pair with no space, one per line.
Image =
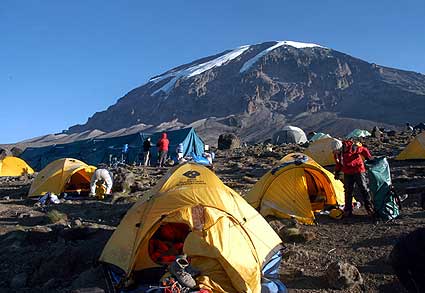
187,136
100,150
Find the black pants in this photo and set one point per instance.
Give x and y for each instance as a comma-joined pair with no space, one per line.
360,180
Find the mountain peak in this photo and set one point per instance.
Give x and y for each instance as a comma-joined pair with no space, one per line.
267,85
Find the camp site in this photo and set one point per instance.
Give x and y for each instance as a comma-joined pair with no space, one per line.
212,146
278,203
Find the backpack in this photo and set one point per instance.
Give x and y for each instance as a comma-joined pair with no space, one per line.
385,200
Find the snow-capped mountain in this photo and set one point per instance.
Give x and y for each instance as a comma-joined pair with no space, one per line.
254,89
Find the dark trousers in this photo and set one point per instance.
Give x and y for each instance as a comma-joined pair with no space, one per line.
360,180
162,158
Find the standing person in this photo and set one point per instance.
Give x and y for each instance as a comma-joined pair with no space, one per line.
162,145
124,153
179,151
348,159
147,151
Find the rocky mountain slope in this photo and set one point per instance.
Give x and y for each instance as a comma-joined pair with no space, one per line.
255,89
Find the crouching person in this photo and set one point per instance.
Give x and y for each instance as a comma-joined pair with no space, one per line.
101,183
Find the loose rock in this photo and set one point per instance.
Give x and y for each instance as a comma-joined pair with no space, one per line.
342,275
228,141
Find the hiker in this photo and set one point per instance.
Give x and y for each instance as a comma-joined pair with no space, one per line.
162,145
348,159
147,151
124,152
409,128
179,151
101,177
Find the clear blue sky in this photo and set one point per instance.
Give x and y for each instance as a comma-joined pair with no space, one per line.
61,61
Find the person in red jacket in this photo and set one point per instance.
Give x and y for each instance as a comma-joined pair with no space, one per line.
162,145
349,160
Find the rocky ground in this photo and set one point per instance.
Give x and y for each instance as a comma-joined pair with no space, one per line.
55,249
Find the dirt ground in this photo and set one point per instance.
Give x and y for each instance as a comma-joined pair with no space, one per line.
55,249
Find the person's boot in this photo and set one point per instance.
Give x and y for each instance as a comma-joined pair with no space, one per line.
178,270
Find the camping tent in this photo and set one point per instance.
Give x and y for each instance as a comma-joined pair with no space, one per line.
101,150
321,151
356,133
13,166
226,239
289,134
415,150
63,175
295,189
319,135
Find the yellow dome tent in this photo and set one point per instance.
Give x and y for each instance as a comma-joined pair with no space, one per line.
295,189
13,166
415,150
227,240
62,175
321,151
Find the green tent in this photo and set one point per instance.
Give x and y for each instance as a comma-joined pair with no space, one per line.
358,133
384,199
318,136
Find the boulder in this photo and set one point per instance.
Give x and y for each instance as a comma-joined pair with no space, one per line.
88,279
228,141
56,216
123,181
407,260
16,152
4,153
391,133
294,235
376,132
342,275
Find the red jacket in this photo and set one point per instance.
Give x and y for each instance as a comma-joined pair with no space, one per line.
349,160
163,143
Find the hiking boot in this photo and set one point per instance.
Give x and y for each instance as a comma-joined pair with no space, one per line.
178,270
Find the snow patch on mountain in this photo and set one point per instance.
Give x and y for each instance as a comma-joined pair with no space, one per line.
263,53
196,69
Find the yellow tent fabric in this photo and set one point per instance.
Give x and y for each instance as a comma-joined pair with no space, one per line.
13,166
295,189
62,175
321,151
229,241
414,150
